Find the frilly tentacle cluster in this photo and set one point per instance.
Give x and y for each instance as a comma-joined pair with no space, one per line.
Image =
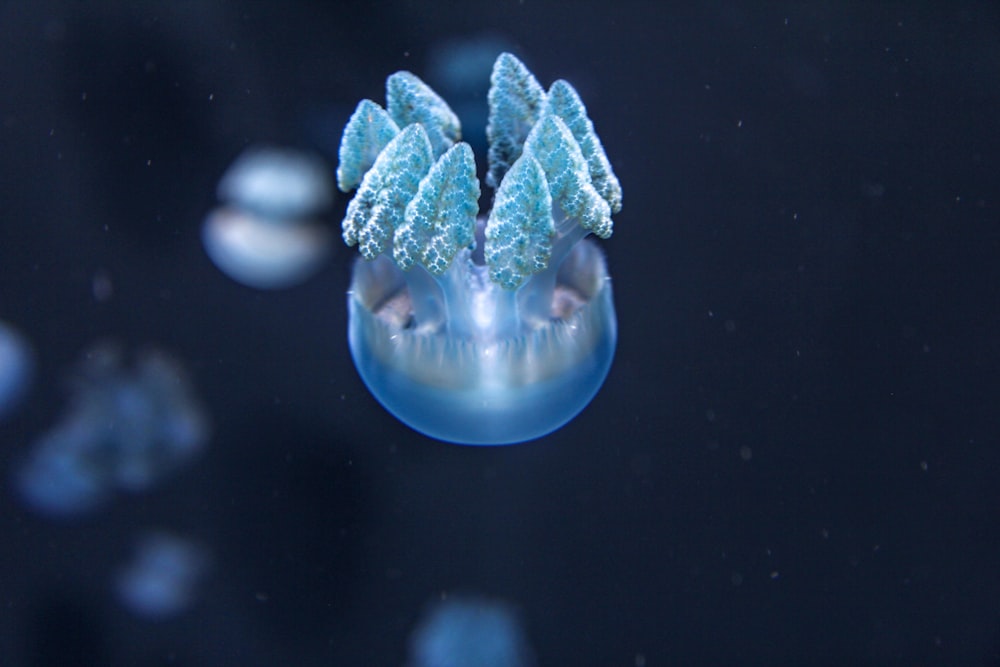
417,192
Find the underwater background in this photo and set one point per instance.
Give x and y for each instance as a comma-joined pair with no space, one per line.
793,460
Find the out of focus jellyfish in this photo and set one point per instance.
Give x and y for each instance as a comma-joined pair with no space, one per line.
265,234
483,332
16,368
162,579
470,632
125,429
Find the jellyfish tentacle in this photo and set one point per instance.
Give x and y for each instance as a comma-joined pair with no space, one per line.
378,208
516,101
564,102
409,100
367,133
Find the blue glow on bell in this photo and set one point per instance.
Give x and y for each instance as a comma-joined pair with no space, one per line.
486,389
486,333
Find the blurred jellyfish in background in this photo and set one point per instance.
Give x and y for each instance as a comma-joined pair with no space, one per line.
265,234
162,579
16,368
470,632
125,429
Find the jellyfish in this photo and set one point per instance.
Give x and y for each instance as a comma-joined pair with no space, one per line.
479,330
125,429
470,632
162,578
16,368
264,235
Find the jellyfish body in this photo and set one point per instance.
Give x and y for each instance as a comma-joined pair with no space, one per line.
479,332
162,579
126,428
261,253
265,233
514,382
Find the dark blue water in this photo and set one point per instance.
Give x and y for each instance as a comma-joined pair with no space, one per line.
794,459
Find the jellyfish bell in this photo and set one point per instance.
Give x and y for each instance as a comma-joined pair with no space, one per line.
473,331
501,384
277,182
263,253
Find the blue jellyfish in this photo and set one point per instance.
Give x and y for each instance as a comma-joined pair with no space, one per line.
162,579
479,331
264,235
16,368
470,632
126,428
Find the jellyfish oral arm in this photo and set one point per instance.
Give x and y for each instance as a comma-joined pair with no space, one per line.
488,331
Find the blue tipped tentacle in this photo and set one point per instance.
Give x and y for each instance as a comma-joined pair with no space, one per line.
367,133
564,102
516,101
380,203
409,100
